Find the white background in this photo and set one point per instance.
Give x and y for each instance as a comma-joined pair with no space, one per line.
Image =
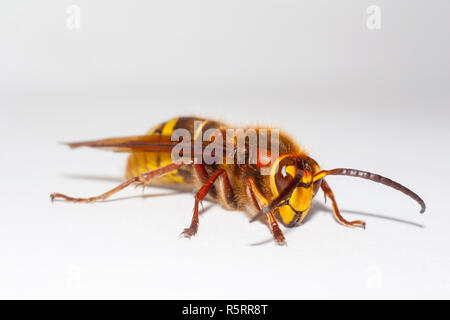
353,97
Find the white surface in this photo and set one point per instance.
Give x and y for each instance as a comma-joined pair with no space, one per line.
372,100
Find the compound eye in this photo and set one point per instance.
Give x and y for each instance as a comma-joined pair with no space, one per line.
288,171
284,176
283,172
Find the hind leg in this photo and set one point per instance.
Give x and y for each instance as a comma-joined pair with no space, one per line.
143,178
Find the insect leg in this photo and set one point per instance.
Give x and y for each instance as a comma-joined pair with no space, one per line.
143,178
228,193
200,195
259,201
276,231
201,173
329,193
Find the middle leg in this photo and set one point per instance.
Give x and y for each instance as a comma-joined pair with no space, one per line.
200,195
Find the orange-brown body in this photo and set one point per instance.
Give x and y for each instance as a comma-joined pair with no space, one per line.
243,178
281,189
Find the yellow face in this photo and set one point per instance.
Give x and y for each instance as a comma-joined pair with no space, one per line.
297,206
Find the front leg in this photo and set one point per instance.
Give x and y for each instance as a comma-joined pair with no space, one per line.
278,236
259,201
329,193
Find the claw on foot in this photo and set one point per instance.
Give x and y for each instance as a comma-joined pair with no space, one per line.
279,237
56,195
357,223
281,241
361,224
188,233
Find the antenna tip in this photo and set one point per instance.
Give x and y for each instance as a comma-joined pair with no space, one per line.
422,206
